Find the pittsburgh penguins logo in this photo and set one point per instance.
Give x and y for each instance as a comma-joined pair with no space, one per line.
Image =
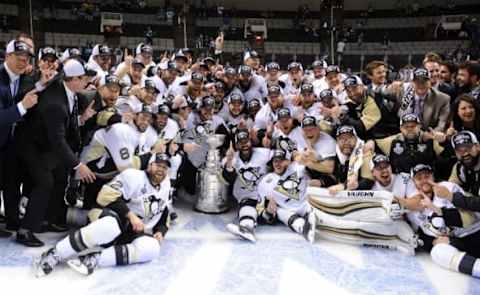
152,206
290,186
249,177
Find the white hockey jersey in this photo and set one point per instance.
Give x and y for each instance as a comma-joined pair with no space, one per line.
142,198
401,186
288,190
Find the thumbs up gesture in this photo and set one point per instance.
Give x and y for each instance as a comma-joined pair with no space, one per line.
230,155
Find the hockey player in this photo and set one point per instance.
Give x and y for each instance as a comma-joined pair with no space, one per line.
284,193
251,84
234,116
132,223
400,185
450,235
306,103
466,172
319,80
244,168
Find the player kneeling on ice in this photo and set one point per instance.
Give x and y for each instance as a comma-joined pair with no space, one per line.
450,234
244,168
284,192
133,221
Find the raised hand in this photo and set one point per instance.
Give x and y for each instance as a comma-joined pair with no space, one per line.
88,113
30,99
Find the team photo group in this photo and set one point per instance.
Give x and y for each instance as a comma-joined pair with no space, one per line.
103,149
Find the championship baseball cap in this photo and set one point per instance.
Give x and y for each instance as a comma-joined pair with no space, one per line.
160,158
219,85
250,54
144,48
101,49
326,94
379,161
15,46
294,65
241,135
172,66
197,76
235,97
273,66
352,80
245,70
319,64
74,68
407,118
332,69
421,168
146,109
180,54
230,71
209,59
137,62
207,102
464,139
284,113
150,85
47,52
273,89
421,74
346,129
281,154
254,103
70,53
309,121
109,80
306,88
163,109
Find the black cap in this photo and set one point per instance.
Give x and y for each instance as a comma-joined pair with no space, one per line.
207,102
294,65
104,50
230,71
74,52
326,94
273,66
160,158
137,62
235,97
284,113
421,168
197,76
352,81
220,85
332,69
241,135
245,70
146,109
306,88
421,74
172,66
408,118
280,154
273,89
253,103
309,121
319,64
163,109
379,159
47,51
464,138
111,80
346,129
149,84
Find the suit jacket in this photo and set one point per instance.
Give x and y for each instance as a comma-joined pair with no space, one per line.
49,129
435,110
9,113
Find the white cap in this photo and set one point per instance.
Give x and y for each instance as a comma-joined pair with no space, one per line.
18,46
74,68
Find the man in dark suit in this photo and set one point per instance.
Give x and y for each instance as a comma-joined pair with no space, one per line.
50,142
16,97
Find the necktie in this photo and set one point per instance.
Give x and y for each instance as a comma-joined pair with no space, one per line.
15,87
74,124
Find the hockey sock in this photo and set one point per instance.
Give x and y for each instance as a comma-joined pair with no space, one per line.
451,258
292,220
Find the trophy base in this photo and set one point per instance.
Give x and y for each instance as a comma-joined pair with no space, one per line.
211,209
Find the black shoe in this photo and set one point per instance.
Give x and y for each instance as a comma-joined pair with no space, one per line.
12,228
2,219
29,239
56,228
4,233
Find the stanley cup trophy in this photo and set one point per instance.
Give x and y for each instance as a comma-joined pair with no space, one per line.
212,191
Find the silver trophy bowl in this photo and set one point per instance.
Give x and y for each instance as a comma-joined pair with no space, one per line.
212,190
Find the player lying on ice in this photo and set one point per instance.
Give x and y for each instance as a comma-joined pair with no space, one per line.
128,229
